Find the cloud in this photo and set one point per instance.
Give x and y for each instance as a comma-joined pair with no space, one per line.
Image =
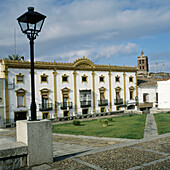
94,28
96,53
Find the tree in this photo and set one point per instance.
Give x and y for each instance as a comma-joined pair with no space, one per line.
14,57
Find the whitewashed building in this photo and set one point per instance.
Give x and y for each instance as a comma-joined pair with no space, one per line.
164,94
66,89
147,93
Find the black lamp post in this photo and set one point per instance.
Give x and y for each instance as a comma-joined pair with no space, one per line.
31,23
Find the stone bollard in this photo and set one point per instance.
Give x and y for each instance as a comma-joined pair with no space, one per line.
37,135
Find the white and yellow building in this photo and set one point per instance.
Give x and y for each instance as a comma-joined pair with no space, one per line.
67,89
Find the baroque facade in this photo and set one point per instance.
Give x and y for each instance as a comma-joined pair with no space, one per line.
67,89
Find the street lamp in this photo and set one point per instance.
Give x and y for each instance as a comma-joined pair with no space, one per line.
31,23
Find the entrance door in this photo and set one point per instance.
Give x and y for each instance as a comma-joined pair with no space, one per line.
20,116
45,115
85,111
66,113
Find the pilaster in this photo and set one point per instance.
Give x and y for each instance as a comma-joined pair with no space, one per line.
93,81
55,92
75,91
124,80
110,95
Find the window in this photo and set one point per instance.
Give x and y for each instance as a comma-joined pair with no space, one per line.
20,93
101,79
143,67
156,97
117,79
20,78
44,78
85,95
139,61
118,100
65,96
143,61
130,79
65,78
131,93
44,99
84,78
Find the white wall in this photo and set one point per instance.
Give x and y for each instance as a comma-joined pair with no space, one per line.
151,90
164,94
70,85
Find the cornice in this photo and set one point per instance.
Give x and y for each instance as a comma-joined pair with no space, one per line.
79,64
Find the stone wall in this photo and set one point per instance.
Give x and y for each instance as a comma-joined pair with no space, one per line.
13,155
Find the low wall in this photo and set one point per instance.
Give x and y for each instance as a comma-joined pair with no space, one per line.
133,112
13,155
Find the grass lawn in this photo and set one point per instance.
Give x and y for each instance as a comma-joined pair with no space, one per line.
162,122
131,127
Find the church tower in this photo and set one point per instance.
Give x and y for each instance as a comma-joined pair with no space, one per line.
142,61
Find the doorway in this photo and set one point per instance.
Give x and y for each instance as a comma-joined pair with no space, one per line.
45,115
66,113
84,111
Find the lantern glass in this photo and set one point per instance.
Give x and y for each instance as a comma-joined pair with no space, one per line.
39,25
31,22
23,26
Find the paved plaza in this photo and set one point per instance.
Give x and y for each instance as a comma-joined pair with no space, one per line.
82,152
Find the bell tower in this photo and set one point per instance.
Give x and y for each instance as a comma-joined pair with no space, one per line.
142,62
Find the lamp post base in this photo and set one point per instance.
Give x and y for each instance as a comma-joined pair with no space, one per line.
37,135
33,112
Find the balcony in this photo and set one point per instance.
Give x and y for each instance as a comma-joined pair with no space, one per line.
86,103
103,102
118,101
45,107
131,102
66,105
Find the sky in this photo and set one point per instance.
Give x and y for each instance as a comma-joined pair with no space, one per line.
105,31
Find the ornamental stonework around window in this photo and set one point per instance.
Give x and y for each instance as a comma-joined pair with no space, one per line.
117,79
130,79
44,78
20,78
20,94
84,79
101,79
65,78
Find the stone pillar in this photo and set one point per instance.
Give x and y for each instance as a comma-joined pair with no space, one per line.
37,135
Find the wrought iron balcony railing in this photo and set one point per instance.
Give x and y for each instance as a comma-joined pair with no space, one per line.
86,103
103,102
66,105
45,107
118,101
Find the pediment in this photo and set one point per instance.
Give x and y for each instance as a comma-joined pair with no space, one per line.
83,63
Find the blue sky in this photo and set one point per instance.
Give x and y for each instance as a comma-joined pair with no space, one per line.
105,31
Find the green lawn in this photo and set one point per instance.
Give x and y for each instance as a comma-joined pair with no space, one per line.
162,122
131,127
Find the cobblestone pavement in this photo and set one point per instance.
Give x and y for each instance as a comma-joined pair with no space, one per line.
152,153
73,152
